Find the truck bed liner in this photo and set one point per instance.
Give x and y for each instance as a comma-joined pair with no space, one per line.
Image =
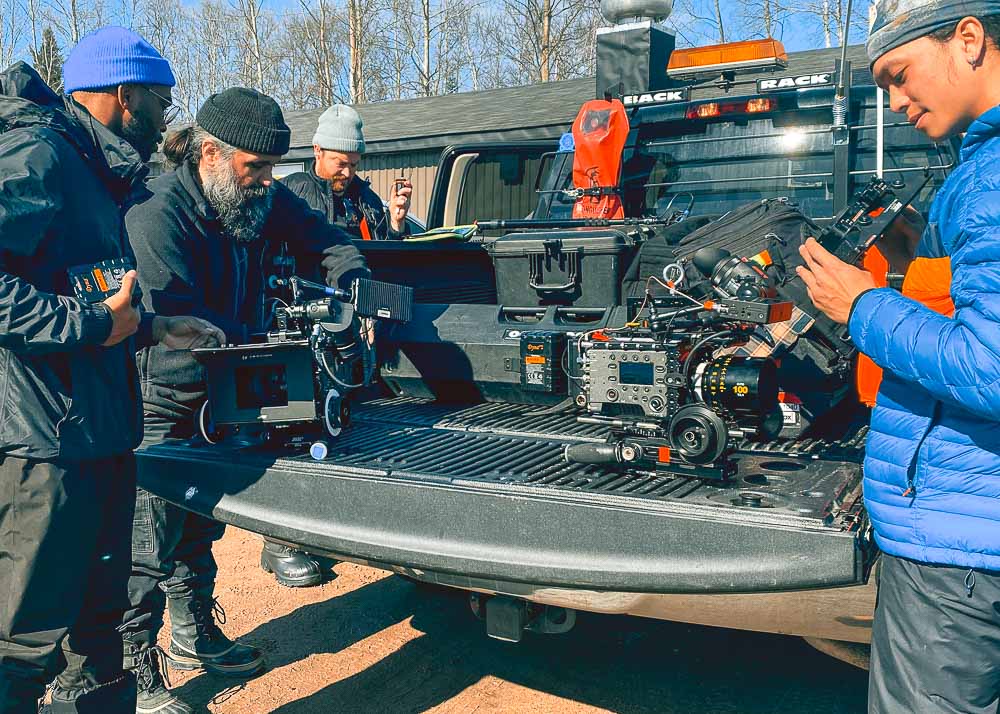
484,491
503,443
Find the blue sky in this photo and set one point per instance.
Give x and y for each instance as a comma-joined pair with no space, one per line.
799,31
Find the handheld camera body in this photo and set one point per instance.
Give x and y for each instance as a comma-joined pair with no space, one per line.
680,388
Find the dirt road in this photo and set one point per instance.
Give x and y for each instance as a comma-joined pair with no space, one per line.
369,641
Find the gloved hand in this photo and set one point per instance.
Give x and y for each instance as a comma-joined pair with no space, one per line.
342,264
186,333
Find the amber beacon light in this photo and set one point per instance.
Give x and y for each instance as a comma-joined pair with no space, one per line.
733,55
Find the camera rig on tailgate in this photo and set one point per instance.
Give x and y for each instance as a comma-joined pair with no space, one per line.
297,380
694,371
671,385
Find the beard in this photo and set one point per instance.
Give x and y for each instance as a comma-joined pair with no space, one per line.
142,133
338,186
242,210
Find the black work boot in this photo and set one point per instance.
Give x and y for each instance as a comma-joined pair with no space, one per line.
115,697
152,696
291,568
196,642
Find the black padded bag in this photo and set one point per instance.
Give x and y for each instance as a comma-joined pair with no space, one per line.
657,252
780,228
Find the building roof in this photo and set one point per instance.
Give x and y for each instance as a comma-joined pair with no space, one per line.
535,111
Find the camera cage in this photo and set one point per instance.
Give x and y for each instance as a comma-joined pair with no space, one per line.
297,380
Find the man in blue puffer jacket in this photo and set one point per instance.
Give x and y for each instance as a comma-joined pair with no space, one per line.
932,471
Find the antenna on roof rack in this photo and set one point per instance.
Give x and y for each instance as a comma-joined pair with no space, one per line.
841,104
842,80
841,132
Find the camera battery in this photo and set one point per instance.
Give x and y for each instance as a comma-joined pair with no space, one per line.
541,361
97,282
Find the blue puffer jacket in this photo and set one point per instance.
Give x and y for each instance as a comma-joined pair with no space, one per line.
932,471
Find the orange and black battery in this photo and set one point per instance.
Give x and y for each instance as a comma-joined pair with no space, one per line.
99,281
542,361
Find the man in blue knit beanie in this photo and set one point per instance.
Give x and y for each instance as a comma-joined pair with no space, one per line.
71,412
115,61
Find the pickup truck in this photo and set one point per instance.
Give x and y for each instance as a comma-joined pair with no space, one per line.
443,478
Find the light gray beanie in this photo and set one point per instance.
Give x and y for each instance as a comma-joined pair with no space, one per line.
897,22
340,130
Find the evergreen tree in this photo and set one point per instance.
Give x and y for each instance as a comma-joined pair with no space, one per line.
48,60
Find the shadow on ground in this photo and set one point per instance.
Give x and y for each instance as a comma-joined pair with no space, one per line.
616,663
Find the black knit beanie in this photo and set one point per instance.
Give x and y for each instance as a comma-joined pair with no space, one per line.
246,119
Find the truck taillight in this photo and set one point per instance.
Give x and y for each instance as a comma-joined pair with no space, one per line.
707,110
703,111
755,106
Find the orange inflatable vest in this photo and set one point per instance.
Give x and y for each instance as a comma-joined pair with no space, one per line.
599,133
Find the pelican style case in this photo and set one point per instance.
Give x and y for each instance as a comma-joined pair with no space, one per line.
583,268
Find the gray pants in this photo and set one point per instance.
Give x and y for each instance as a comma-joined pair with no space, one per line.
171,557
935,640
171,551
65,533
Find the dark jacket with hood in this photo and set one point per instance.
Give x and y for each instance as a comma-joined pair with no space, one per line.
65,182
361,202
188,265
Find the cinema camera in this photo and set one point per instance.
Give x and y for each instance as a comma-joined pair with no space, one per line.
297,381
685,380
672,399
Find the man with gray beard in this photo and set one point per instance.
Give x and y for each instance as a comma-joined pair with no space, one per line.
203,241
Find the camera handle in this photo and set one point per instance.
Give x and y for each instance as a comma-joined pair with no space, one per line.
296,285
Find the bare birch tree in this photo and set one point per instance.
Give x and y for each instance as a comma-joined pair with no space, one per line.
700,22
312,56
486,50
764,18
12,23
546,37
355,47
399,48
250,16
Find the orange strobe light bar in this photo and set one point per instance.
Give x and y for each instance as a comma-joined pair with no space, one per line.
733,55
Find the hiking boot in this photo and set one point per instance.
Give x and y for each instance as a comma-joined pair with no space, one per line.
196,642
114,696
152,696
292,568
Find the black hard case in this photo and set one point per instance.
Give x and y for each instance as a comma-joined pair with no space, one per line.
583,268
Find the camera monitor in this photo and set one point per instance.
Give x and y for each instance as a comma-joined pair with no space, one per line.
260,383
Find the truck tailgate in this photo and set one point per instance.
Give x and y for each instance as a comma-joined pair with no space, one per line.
484,491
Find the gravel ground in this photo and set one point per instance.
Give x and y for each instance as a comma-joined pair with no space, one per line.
368,641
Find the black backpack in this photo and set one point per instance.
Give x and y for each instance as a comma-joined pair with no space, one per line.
774,225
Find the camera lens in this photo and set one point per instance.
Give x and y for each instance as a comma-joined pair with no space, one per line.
741,384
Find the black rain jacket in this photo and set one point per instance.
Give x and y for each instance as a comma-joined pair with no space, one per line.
65,183
189,266
361,200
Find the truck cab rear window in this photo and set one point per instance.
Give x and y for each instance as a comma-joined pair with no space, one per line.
711,167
